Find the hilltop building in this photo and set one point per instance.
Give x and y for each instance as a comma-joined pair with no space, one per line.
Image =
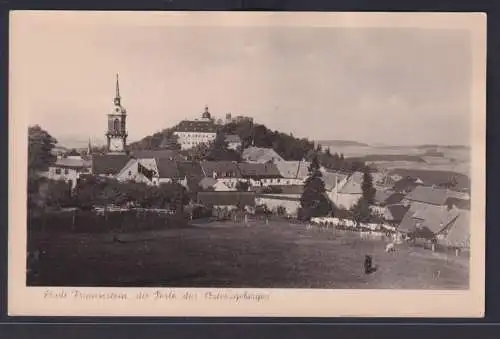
191,133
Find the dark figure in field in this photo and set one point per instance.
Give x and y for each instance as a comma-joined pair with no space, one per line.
369,268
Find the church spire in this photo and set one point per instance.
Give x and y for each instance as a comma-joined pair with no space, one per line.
117,86
117,95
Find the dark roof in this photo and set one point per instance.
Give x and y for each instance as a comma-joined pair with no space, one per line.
388,197
429,195
109,163
279,189
397,212
405,184
259,170
196,126
221,168
167,168
226,198
158,154
72,163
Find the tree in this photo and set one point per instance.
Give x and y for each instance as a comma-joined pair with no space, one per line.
242,186
361,212
314,201
40,145
58,194
219,151
367,187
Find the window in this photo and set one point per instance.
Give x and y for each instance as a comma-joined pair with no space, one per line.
58,171
116,125
66,171
129,173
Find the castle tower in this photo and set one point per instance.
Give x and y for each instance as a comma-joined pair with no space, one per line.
117,132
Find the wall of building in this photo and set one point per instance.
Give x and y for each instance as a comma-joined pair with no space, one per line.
189,140
66,174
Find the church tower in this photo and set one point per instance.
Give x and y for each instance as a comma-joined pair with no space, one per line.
117,132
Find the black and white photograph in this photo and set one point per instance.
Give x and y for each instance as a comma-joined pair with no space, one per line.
184,151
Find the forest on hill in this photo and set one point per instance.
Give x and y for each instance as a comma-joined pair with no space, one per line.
288,146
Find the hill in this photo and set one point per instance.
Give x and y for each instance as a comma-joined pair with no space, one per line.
340,143
388,157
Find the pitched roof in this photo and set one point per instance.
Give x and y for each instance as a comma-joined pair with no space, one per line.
433,217
72,163
167,168
257,154
228,198
429,195
196,126
259,170
332,178
458,234
221,169
108,163
405,184
353,184
396,212
293,169
233,138
388,197
149,154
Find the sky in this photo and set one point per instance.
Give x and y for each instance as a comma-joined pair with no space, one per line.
397,86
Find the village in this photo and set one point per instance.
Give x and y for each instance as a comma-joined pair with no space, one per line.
203,175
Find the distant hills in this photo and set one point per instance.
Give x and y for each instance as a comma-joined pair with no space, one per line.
340,143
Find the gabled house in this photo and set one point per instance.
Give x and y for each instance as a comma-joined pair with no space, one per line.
226,172
293,172
426,195
154,171
69,168
347,190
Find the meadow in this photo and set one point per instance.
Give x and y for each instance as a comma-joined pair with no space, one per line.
226,254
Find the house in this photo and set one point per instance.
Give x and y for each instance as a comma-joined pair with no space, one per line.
293,172
260,174
69,168
274,202
457,232
427,221
394,214
233,141
191,133
226,172
109,165
153,171
260,155
344,190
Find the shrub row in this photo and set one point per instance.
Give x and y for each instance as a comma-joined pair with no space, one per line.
91,222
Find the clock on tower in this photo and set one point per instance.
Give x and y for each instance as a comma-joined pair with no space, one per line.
117,132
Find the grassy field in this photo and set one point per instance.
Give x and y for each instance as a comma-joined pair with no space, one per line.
277,255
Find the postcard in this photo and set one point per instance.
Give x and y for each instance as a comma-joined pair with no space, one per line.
247,164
